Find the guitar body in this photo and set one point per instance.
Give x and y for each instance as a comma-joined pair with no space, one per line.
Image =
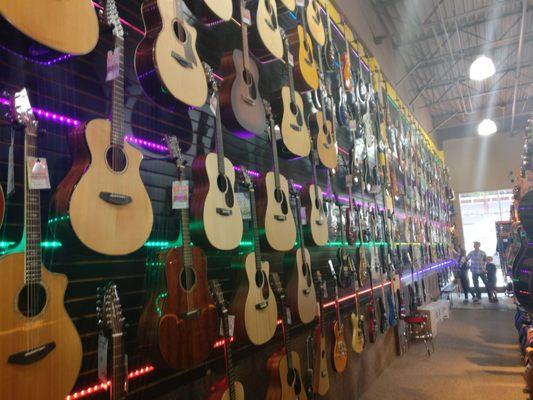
346,72
285,383
241,105
316,230
351,231
100,225
305,69
314,22
358,336
295,140
254,324
268,43
339,349
276,220
289,5
372,333
217,230
166,61
320,368
301,293
222,391
188,327
65,26
325,143
52,376
209,11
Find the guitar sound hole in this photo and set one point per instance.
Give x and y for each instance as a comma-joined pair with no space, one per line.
180,33
297,384
326,132
222,183
317,204
31,299
116,159
294,109
259,279
306,274
323,355
291,376
187,278
247,76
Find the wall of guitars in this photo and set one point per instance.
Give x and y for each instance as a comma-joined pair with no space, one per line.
184,178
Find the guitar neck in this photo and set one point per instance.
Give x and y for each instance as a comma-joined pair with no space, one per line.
337,305
274,145
119,368
328,19
219,138
257,246
300,227
287,335
244,34
229,357
117,102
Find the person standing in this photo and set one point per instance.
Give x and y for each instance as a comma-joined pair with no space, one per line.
491,279
478,258
462,263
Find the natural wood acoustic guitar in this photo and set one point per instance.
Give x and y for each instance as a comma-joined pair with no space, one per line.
187,329
339,350
66,26
228,388
316,230
103,194
288,108
315,23
166,60
242,107
267,41
254,304
320,369
284,370
40,348
276,221
215,211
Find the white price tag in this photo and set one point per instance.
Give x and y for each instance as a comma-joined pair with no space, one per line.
246,17
325,291
300,3
352,125
244,204
303,216
180,195
289,317
102,358
113,64
290,58
213,103
231,325
38,173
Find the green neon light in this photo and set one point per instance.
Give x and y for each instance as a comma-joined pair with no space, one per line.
51,245
58,219
154,243
335,244
157,303
5,245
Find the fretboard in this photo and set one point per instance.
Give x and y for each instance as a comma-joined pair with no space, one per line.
287,335
219,138
274,145
257,247
291,78
118,378
229,360
245,47
117,102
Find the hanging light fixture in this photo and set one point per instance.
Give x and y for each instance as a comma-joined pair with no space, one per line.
486,127
482,68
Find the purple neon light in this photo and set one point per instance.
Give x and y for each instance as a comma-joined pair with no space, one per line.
62,57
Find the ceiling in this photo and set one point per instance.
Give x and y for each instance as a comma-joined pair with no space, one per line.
437,40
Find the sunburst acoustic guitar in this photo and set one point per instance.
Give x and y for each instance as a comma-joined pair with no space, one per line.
40,349
103,194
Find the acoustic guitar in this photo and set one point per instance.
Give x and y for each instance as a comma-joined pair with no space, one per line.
316,26
254,304
228,388
64,26
103,194
301,294
217,219
288,108
187,328
320,369
166,60
276,221
286,5
242,107
301,46
267,33
210,11
111,322
339,350
316,230
40,348
358,326
284,370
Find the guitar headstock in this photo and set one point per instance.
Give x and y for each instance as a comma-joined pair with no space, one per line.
332,270
175,152
277,287
210,76
247,179
113,20
218,296
292,190
22,111
109,310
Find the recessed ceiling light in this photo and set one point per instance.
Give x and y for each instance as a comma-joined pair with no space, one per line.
486,127
482,68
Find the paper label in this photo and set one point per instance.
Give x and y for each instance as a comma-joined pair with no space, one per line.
303,216
102,358
180,195
244,204
38,173
231,325
113,64
213,103
126,370
289,317
325,291
290,58
246,17
352,125
300,3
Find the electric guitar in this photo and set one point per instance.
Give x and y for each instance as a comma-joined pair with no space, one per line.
301,46
316,26
317,224
301,294
40,348
166,60
339,349
103,194
111,322
343,110
320,369
229,388
254,304
285,376
62,26
242,107
329,47
211,11
371,311
288,108
358,326
378,266
352,214
346,64
276,221
189,317
217,219
267,33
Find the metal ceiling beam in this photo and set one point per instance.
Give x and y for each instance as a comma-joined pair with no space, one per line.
478,110
518,60
475,95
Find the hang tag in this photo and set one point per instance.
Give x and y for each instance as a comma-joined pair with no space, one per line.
102,358
303,216
231,325
180,195
213,103
300,3
277,132
349,180
10,167
325,291
246,17
289,317
317,310
352,125
38,173
290,58
126,371
113,64
244,204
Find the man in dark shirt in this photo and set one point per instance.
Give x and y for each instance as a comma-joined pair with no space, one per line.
491,280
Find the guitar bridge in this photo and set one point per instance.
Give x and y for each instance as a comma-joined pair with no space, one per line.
248,100
115,198
262,305
181,60
190,314
225,212
320,222
296,127
306,291
31,356
324,373
280,218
